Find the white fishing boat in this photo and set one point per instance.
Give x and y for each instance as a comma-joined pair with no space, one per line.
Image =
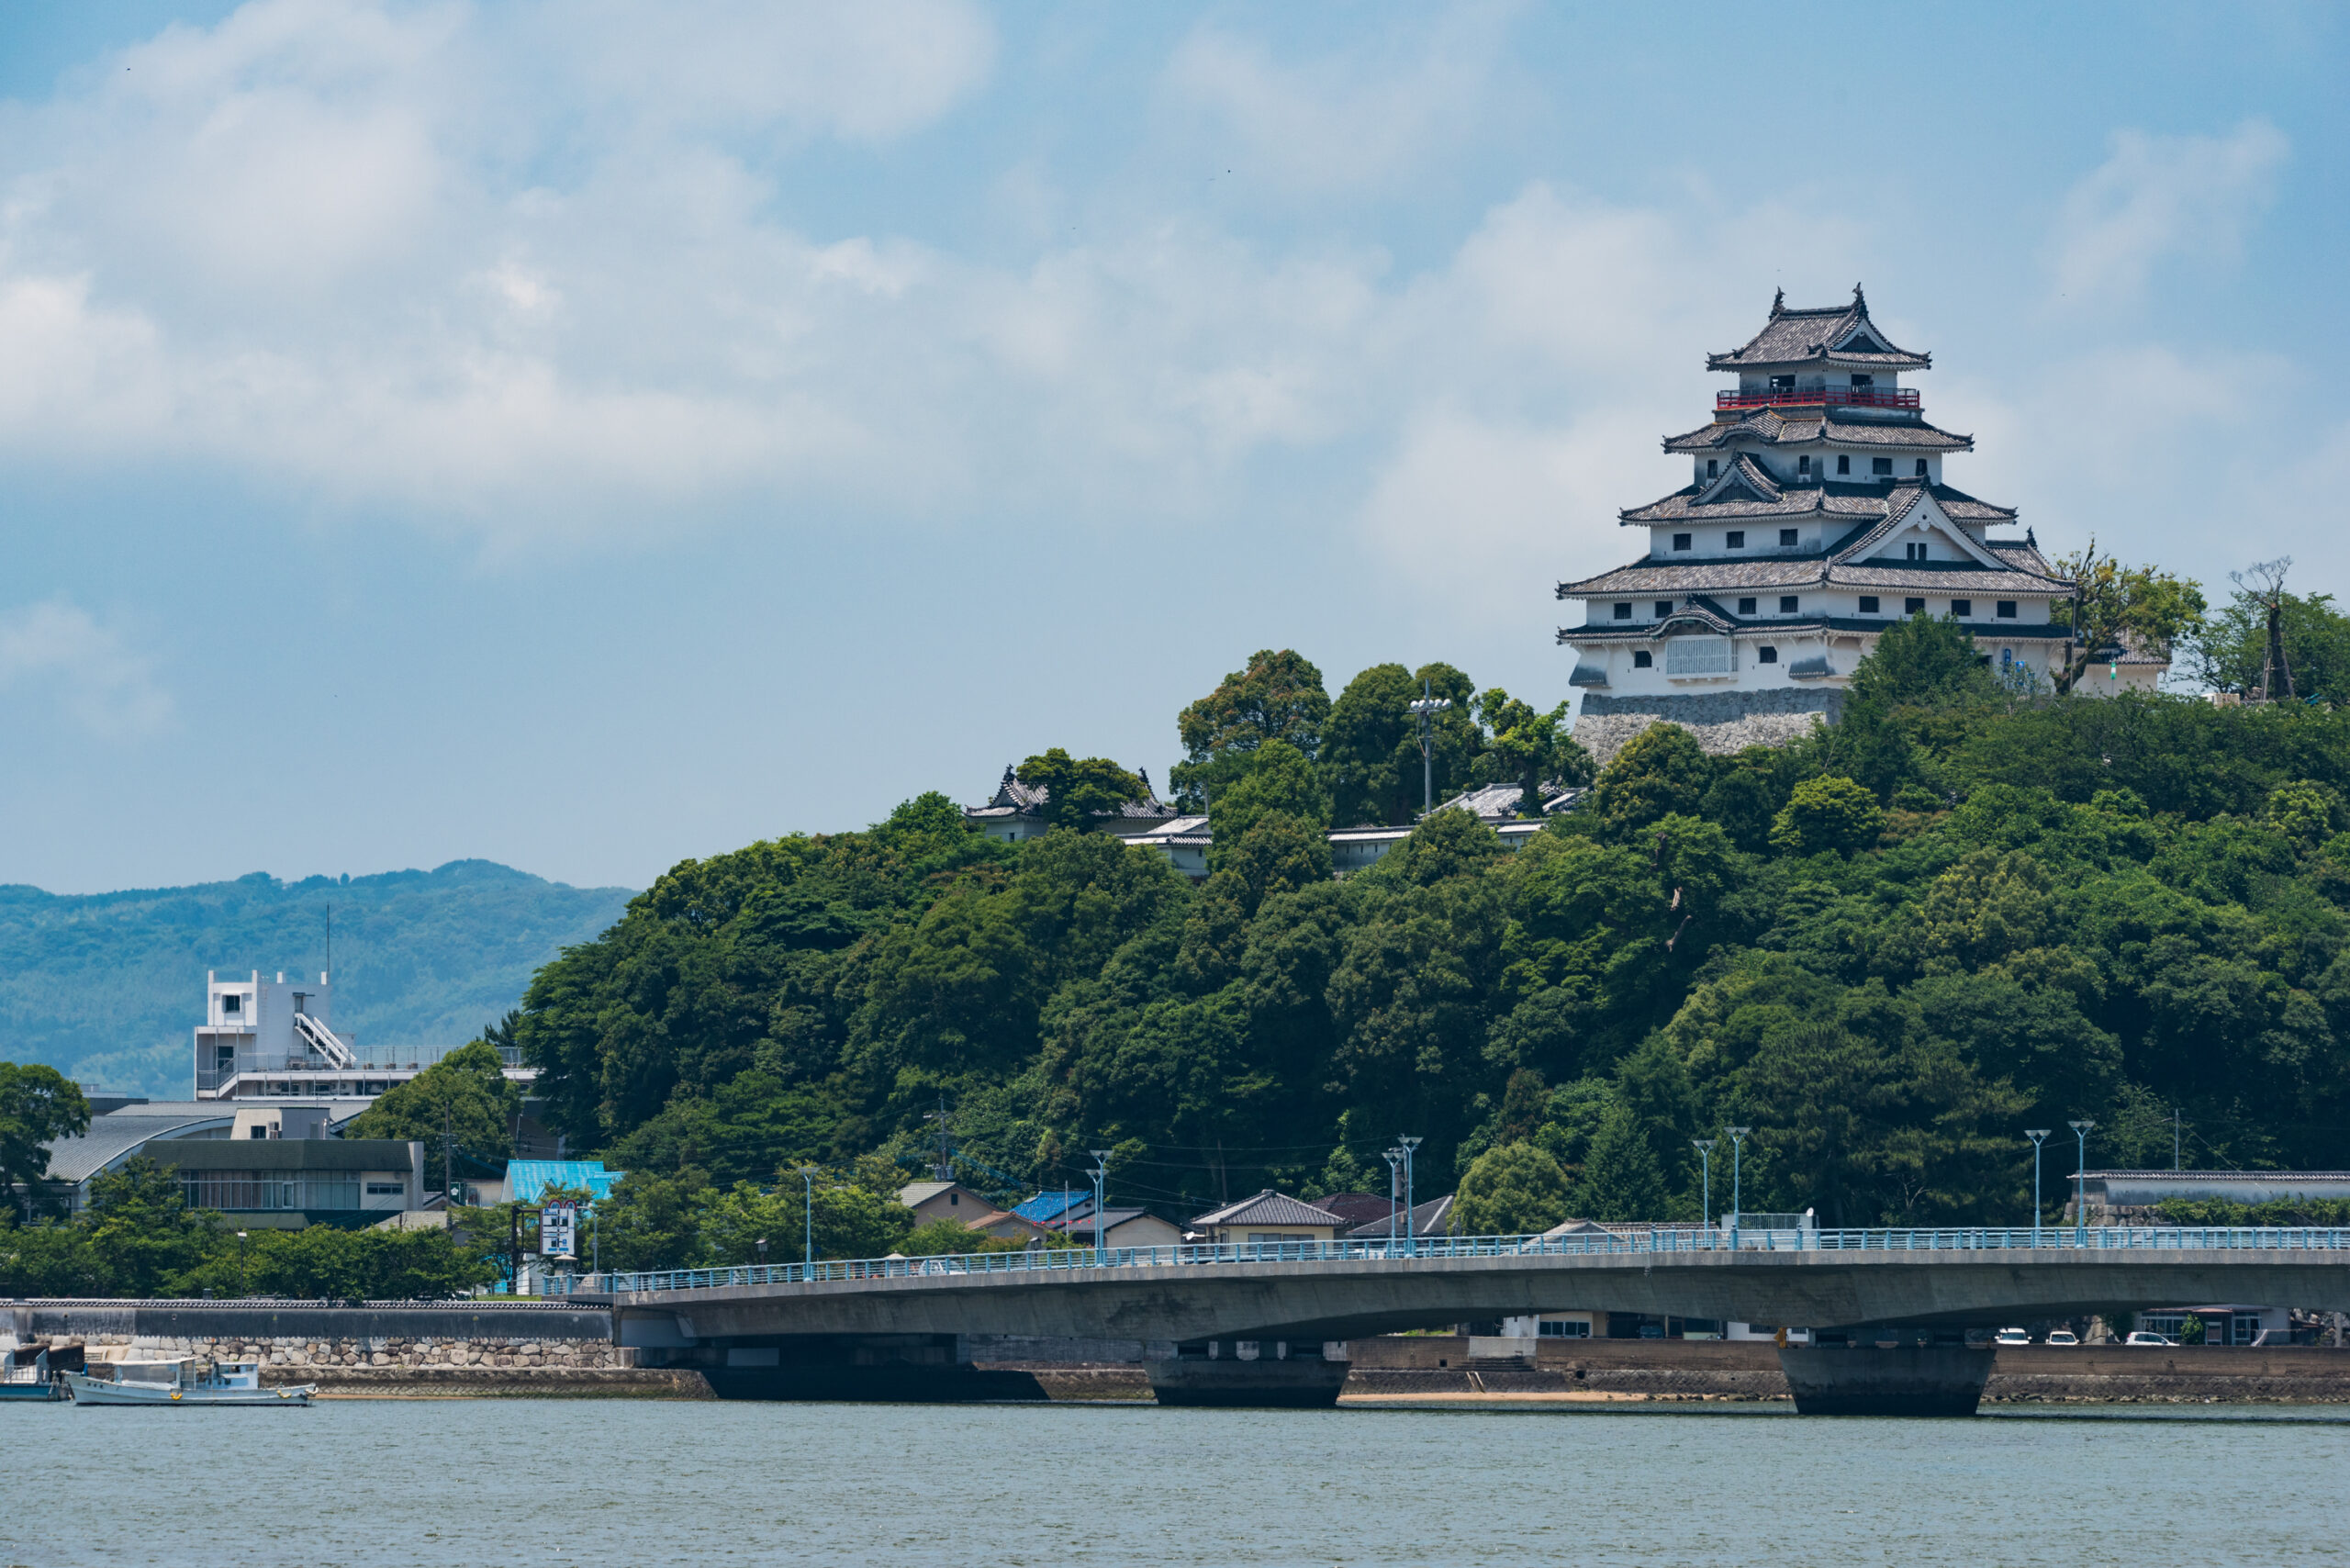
182,1381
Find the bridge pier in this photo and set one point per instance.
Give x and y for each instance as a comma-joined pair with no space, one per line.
1249,1374
1862,1379
897,1369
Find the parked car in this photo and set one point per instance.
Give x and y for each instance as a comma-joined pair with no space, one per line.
2141,1337
2062,1337
2011,1337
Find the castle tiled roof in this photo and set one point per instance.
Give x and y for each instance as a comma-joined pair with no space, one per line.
2003,569
1014,799
1834,335
1768,426
1758,495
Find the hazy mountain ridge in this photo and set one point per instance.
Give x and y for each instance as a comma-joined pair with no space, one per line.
105,987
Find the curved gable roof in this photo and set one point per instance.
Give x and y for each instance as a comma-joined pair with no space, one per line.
1829,334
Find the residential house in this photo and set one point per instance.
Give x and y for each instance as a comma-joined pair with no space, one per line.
1120,1228
1433,1218
1267,1216
951,1200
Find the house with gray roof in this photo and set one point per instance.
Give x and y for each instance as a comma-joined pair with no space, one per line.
1266,1216
1016,812
1817,513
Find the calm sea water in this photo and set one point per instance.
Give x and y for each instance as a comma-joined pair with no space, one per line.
515,1482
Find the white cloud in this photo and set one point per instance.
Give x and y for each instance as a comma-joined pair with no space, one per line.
2156,196
1349,117
99,680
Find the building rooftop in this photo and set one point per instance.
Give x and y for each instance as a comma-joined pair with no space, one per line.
1769,426
1268,1207
289,1153
1433,1218
531,1178
1827,336
1012,798
119,1134
1991,570
1747,490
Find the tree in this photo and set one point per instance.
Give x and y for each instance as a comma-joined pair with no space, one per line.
1921,662
1621,1179
2117,607
1529,749
1079,790
1827,814
1278,697
140,1232
1370,748
2231,650
38,1106
1661,770
465,1092
1512,1190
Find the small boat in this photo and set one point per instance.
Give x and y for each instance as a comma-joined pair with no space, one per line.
184,1381
24,1373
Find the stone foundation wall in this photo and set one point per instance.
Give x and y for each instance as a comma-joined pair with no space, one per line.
1722,722
424,1367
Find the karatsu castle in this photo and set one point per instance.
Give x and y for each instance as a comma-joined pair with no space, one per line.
1816,514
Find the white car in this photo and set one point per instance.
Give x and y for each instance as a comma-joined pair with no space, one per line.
2062,1337
2141,1337
2011,1337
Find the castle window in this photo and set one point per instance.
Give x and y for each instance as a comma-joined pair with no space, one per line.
1803,464
1623,612
1844,463
1766,656
1713,467
1881,465
1746,606
1913,607
2005,610
1864,380
1783,383
1921,468
1868,604
1641,659
1786,604
1786,539
1735,539
1681,541
1663,607
1962,608
1913,552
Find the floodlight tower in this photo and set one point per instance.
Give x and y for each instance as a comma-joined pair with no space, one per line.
1425,710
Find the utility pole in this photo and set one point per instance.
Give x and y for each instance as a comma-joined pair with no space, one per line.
1737,1170
514,1249
1100,1197
2035,1134
2081,1184
1394,1194
1704,1147
944,1170
2174,1137
1411,1211
808,1213
448,1182
1425,710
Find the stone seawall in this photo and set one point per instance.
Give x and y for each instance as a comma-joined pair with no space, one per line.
1438,1368
1722,722
388,1367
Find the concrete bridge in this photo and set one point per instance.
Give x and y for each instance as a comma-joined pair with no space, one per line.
886,1327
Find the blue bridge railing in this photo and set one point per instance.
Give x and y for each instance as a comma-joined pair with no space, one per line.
1627,1241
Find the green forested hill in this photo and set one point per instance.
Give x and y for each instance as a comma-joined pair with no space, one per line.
1964,911
105,987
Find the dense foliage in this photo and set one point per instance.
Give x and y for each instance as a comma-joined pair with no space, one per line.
103,986
1964,910
38,1106
138,1238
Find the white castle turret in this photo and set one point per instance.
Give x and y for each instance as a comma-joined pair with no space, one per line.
1816,514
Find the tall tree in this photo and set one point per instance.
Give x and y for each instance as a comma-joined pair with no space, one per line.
1278,697
2230,651
464,1099
1078,789
1621,1179
1661,772
2119,606
1370,748
1530,749
1512,1190
38,1106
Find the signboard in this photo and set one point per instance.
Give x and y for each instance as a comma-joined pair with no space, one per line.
559,1230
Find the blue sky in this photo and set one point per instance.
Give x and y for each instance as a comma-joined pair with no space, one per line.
590,435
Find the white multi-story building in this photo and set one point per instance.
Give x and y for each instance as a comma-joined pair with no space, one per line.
265,1039
1816,514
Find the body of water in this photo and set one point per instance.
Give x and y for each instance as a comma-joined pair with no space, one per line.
374,1482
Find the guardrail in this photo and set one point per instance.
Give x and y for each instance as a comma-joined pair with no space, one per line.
1070,1260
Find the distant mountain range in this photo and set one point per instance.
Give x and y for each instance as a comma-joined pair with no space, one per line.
107,987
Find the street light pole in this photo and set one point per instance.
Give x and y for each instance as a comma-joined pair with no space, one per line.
244,1286
1411,1211
808,1213
1704,1147
2081,1181
1394,1157
2035,1134
1737,1172
1425,710
1100,1197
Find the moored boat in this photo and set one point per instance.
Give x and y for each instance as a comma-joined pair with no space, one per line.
184,1381
24,1373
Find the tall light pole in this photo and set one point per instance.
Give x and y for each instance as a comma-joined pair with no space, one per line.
2081,1182
1394,1194
808,1213
1100,1197
1704,1147
2035,1134
1425,710
1411,1213
1737,1169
